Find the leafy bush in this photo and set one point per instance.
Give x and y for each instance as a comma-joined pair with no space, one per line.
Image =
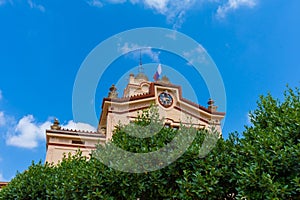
264,163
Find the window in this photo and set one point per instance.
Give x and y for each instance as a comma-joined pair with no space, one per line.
167,125
77,142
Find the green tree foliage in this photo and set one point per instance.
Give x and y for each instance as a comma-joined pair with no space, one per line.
261,164
269,153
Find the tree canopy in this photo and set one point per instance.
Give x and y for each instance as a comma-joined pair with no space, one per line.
263,162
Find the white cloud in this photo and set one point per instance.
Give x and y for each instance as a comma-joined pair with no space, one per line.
175,10
116,1
78,126
36,6
2,178
232,5
31,4
2,119
27,133
196,55
159,5
95,3
173,35
100,3
132,48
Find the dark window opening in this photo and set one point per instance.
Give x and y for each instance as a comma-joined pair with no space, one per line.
167,125
77,142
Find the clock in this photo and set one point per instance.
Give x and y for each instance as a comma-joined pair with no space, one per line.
165,99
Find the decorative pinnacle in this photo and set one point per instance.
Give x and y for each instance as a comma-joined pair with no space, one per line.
113,92
210,102
211,105
55,125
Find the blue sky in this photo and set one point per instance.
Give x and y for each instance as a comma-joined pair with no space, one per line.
255,45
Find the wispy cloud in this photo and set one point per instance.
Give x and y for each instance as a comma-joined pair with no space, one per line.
132,49
30,3
2,119
36,6
2,177
196,55
232,5
117,1
95,3
175,10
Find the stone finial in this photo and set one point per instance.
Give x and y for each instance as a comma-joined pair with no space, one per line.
210,102
211,105
165,79
113,92
141,77
55,125
131,78
103,131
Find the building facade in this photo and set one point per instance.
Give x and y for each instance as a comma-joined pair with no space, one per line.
138,95
3,184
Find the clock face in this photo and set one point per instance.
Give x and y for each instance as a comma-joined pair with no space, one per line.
165,99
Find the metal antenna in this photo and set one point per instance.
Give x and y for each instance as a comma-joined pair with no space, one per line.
141,57
141,69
